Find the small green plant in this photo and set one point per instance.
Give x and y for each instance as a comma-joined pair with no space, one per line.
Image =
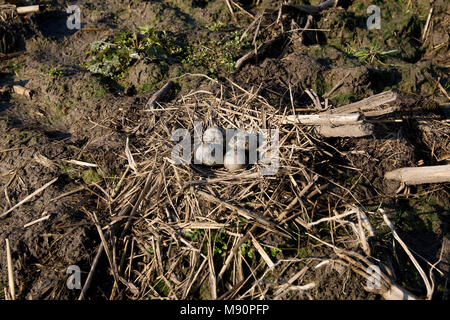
220,243
146,87
304,252
274,252
55,72
247,250
162,288
100,93
447,85
217,56
25,135
112,56
15,66
90,176
194,234
216,26
369,55
421,213
70,171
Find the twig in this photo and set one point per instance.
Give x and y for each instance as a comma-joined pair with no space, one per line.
100,250
29,224
377,113
242,176
230,9
130,158
119,184
367,104
234,252
336,217
12,291
349,130
257,19
305,287
143,194
110,256
81,163
28,198
263,253
427,24
413,260
323,119
27,9
314,98
256,52
294,278
420,175
241,211
212,271
158,95
242,9
442,88
326,95
201,225
68,194
111,261
87,283
308,29
361,234
366,223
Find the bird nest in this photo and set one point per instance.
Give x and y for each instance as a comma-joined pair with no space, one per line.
183,230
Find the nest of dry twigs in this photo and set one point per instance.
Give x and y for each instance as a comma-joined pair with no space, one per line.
191,231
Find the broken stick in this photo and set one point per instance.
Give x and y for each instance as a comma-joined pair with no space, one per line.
323,119
256,52
28,198
420,175
27,9
366,105
348,130
12,291
22,91
158,95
